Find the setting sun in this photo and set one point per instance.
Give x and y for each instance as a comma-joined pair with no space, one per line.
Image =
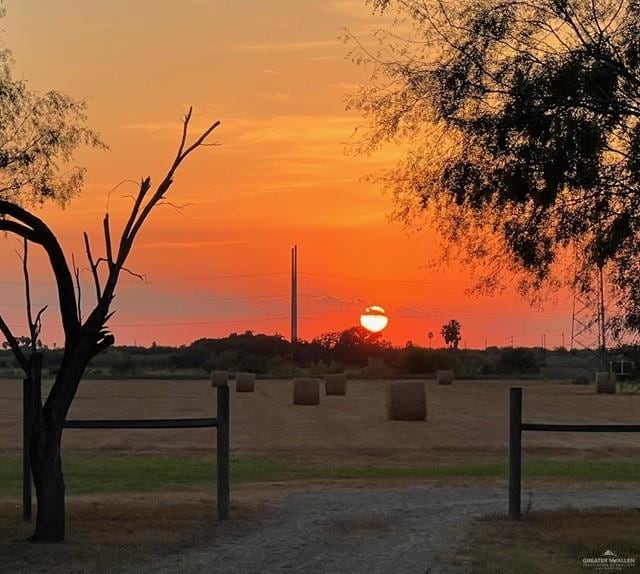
374,319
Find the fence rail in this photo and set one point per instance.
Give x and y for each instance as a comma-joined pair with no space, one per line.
221,422
141,424
542,427
517,427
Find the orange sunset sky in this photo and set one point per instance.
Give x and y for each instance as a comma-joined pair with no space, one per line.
275,73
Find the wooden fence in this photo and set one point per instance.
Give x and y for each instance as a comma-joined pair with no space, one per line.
221,422
516,428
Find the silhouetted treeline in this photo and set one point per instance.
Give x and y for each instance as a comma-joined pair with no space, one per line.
353,350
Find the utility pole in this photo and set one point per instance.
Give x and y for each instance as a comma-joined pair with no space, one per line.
294,299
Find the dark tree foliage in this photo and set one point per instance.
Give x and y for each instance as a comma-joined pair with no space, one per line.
522,119
452,333
353,346
518,361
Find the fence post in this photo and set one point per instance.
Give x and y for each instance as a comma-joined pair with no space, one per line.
223,452
515,451
26,456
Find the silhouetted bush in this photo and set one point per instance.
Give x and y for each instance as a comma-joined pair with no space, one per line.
418,360
518,361
121,362
188,358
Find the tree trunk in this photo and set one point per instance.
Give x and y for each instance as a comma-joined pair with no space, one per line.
47,424
46,466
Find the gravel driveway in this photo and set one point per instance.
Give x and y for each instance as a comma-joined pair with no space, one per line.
369,530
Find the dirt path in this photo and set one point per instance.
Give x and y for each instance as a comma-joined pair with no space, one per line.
369,530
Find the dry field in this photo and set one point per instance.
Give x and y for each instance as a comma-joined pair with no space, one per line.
468,418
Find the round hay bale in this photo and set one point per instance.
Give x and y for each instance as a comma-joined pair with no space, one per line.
245,382
406,401
219,378
306,391
444,377
581,379
335,384
605,383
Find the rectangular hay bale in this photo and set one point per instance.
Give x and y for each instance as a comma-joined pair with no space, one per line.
219,378
581,379
245,382
335,384
444,377
306,391
406,401
605,383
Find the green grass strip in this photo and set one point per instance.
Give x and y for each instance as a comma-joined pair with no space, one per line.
142,473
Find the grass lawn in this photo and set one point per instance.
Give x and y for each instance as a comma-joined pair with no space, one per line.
554,542
141,473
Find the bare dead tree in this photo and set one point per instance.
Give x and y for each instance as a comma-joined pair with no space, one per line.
83,338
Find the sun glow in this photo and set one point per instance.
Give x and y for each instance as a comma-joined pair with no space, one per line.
374,319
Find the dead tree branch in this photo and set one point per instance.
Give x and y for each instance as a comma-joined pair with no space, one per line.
76,273
93,266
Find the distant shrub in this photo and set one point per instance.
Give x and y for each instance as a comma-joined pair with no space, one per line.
415,360
489,366
224,361
377,368
252,364
121,363
418,360
278,367
518,361
189,358
321,368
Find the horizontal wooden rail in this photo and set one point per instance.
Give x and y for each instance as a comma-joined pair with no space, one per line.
517,427
221,422
142,424
544,427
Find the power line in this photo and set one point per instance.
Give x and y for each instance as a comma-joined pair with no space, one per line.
169,280
214,277
408,282
190,323
164,301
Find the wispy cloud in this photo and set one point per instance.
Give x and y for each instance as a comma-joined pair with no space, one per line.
295,128
193,244
333,303
322,58
275,128
151,126
275,97
279,47
352,8
411,311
